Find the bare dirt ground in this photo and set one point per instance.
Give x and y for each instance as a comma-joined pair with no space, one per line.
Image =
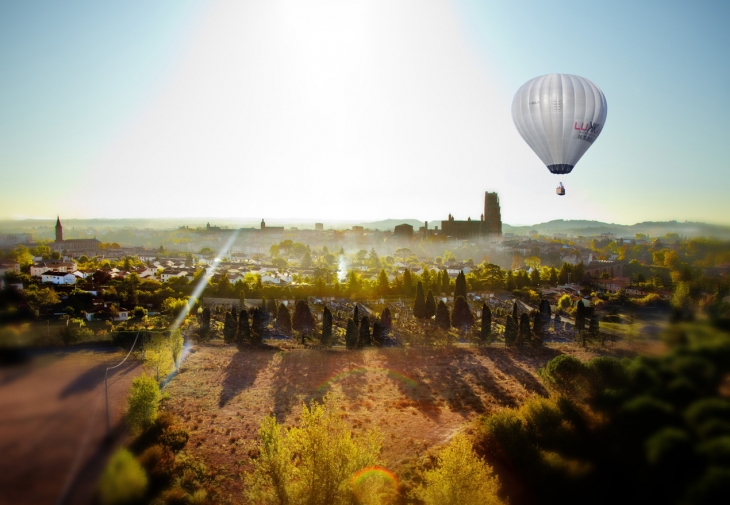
417,398
52,423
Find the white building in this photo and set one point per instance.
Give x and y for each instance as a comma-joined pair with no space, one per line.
38,269
52,277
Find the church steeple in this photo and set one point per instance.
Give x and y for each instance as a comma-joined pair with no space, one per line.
59,230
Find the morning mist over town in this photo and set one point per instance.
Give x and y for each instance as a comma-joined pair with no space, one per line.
366,252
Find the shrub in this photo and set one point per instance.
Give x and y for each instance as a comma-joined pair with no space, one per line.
123,481
669,446
716,451
461,477
567,374
175,438
702,411
159,462
327,456
142,404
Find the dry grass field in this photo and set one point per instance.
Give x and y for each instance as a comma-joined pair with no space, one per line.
417,398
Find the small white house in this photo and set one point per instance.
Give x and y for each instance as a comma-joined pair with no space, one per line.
52,277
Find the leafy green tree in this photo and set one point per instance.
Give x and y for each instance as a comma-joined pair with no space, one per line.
443,319
158,355
123,481
307,260
535,277
142,403
328,454
566,273
364,333
430,308
283,320
509,282
326,327
177,343
553,276
486,329
351,334
461,317
460,287
419,304
460,477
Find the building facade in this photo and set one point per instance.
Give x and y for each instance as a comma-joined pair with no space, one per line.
489,225
73,247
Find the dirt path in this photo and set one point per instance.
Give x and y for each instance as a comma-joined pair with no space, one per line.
50,408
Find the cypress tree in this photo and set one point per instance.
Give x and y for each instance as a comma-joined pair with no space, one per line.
264,310
510,283
537,328
356,314
303,322
258,324
461,316
244,330
364,334
545,313
557,323
515,312
386,320
580,317
326,327
445,283
234,313
525,330
419,304
460,287
351,334
283,320
486,330
407,283
205,324
443,320
430,305
593,326
378,333
510,332
229,329
271,307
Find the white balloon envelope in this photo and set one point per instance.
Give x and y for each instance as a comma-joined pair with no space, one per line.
559,116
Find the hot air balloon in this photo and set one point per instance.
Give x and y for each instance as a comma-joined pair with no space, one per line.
559,116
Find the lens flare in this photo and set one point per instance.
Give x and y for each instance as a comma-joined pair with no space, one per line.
374,485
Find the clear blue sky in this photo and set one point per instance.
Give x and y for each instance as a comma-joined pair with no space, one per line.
355,110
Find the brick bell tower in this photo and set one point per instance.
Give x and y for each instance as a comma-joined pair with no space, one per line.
59,230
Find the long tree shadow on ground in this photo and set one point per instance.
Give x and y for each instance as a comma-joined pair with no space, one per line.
91,378
243,369
304,375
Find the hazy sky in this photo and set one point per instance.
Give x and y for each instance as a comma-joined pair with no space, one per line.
356,109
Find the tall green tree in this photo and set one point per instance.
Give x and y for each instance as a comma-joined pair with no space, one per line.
537,328
525,332
443,319
229,329
283,320
510,332
271,308
383,286
445,282
515,313
258,325
419,304
509,282
326,327
205,324
545,313
553,276
407,283
303,322
593,327
378,333
462,317
244,330
430,305
580,317
460,287
486,329
535,277
356,314
364,333
351,334
386,320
